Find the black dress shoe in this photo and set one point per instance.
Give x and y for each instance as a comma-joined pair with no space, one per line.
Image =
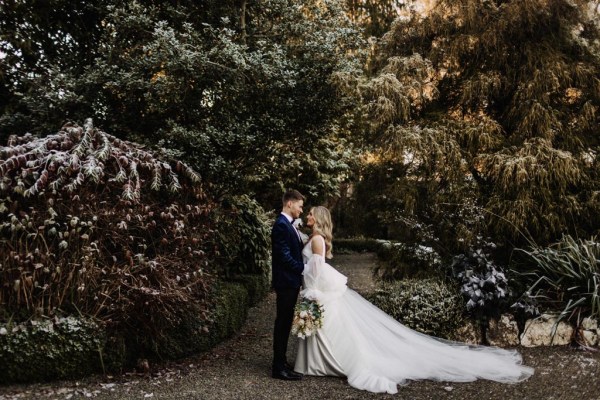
286,375
291,370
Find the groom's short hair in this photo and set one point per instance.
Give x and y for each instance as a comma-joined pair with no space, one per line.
292,195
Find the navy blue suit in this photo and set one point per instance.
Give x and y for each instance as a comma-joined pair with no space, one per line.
287,255
287,268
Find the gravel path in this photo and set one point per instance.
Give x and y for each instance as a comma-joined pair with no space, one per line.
240,369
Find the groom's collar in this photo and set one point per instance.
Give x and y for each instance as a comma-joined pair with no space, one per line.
289,217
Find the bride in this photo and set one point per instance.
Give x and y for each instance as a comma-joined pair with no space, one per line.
373,350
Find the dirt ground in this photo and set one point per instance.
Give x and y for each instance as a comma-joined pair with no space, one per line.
240,369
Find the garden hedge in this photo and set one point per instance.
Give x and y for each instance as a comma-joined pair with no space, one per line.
72,347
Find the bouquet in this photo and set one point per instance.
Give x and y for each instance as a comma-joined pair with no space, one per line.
308,318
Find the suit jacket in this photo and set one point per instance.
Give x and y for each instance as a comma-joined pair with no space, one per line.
287,261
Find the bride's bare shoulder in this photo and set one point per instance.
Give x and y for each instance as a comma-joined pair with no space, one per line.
316,243
316,238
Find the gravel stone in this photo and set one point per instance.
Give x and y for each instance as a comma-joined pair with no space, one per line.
240,369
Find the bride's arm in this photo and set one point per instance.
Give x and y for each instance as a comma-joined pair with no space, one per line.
311,268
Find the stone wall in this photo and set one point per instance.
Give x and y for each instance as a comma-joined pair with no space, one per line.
541,331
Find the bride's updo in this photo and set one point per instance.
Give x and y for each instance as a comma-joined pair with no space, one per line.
323,226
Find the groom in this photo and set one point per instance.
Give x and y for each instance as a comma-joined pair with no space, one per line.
287,267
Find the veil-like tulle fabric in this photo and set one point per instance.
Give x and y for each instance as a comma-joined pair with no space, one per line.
376,352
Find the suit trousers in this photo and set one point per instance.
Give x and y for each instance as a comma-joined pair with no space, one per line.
286,301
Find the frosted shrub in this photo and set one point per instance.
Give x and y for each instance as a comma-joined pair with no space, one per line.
427,305
484,285
100,225
71,346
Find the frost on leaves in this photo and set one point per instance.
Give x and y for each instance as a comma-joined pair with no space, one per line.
97,224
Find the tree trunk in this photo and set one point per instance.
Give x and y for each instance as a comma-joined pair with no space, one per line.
243,21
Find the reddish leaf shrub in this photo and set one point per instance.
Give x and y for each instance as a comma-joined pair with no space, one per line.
93,224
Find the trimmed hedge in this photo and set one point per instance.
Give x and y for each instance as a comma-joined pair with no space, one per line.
67,348
193,335
50,349
256,285
429,306
359,245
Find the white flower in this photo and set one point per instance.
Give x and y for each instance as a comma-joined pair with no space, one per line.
305,323
3,331
304,237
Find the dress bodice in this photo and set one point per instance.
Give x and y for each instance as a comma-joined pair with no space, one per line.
307,251
321,281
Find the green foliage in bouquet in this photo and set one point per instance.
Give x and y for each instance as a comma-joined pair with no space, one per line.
98,226
429,305
308,318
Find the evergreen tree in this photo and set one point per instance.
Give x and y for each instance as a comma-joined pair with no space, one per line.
485,119
36,37
247,92
376,16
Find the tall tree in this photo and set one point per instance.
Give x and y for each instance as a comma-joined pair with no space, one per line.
485,115
247,92
35,37
376,16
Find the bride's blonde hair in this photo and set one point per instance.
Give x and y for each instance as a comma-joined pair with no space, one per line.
323,226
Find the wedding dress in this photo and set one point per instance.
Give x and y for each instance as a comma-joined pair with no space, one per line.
376,353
